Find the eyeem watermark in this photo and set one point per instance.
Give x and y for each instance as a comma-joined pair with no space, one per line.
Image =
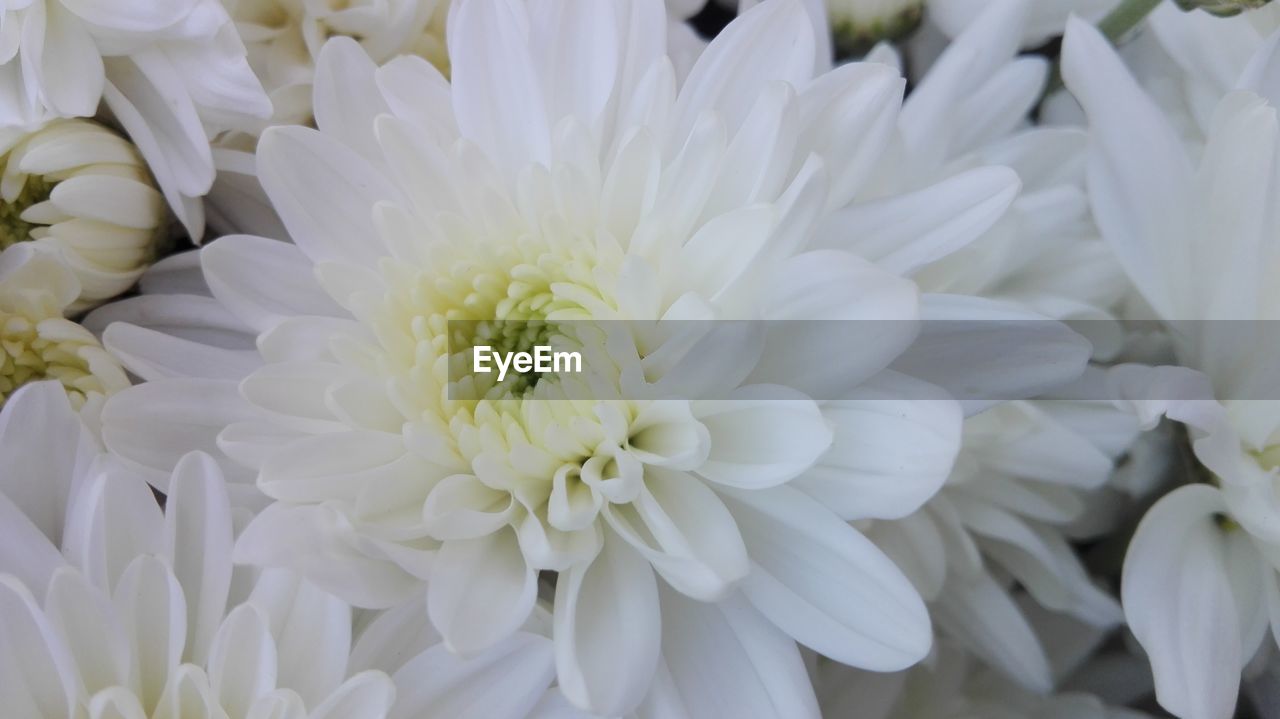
541,360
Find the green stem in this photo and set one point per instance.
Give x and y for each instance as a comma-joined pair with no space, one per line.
1124,17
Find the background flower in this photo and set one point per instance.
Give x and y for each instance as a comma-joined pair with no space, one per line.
173,75
79,191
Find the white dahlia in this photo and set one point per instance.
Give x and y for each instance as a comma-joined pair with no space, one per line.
81,192
565,174
1199,241
38,343
172,73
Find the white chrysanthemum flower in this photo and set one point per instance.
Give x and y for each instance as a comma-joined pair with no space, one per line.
1200,244
1024,468
38,343
971,108
284,37
172,73
111,608
81,192
1004,514
525,191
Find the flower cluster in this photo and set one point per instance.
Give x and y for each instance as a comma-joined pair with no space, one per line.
925,365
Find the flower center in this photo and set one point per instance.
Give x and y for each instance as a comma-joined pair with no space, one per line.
14,229
55,349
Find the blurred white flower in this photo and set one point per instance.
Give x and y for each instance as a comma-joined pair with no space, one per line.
172,73
1199,243
972,108
1004,517
1025,469
111,608
950,686
284,37
38,343
524,191
81,192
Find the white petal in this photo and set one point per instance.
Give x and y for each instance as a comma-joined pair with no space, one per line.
895,441
37,675
684,530
908,231
154,424
496,94
603,664
728,660
42,443
1178,602
826,305
825,584
87,623
316,541
1138,169
131,15
149,600
369,694
155,355
847,119
394,637
25,552
762,436
504,682
71,73
264,281
984,352
345,98
312,632
981,616
481,591
242,660
325,194
334,466
771,42
198,542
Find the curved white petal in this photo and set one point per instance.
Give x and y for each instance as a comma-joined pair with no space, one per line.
481,591
762,436
895,442
605,664
726,659
825,584
504,682
1178,601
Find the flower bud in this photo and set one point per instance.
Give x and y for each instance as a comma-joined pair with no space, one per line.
857,25
1221,8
